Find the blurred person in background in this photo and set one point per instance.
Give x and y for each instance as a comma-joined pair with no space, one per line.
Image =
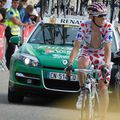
13,24
2,11
117,4
2,3
25,14
35,18
2,15
23,4
8,4
42,7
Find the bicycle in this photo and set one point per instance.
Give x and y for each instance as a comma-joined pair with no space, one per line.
90,101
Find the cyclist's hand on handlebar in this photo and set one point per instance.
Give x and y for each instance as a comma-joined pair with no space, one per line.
69,70
105,70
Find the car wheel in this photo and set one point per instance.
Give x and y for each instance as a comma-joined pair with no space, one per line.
14,97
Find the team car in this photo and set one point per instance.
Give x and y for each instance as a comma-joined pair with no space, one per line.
37,67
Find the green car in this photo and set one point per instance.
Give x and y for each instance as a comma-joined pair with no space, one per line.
37,67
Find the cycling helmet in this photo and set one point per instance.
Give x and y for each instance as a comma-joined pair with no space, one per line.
97,9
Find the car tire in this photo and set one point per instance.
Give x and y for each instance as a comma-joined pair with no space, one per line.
14,97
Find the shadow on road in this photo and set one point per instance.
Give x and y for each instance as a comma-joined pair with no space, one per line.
58,101
63,101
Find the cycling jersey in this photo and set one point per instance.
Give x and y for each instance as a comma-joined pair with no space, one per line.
96,56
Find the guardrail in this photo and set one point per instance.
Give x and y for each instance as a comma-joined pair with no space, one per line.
2,48
26,32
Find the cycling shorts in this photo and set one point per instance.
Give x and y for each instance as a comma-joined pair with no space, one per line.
98,61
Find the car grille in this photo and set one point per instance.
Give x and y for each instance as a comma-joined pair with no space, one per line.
30,79
53,68
62,85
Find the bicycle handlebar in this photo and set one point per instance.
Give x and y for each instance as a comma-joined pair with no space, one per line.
92,71
87,70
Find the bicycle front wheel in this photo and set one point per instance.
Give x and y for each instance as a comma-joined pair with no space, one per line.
90,106
86,107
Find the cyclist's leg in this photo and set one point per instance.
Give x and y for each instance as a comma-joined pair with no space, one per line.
104,97
83,62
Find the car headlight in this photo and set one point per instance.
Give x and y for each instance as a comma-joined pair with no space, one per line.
28,59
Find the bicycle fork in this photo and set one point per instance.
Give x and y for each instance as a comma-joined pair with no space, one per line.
89,95
89,98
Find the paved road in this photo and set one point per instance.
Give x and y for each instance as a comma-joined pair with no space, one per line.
61,108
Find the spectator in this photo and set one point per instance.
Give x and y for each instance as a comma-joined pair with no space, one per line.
2,15
35,17
117,10
2,3
23,4
13,24
118,3
25,14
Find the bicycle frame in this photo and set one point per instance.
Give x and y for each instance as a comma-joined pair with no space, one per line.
91,85
90,94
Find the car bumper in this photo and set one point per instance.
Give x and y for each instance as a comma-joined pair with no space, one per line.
37,79
32,91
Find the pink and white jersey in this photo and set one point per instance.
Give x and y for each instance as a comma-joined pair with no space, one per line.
95,56
84,35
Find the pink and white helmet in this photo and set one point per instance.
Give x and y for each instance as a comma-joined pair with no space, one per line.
97,9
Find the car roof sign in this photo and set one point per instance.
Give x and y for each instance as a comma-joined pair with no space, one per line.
75,21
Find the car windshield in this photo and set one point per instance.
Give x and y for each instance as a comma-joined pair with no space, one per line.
53,34
58,35
113,48
115,41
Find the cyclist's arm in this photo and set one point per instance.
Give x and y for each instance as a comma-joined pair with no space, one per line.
108,53
74,52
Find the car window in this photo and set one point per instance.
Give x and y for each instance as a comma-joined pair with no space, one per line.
115,41
61,34
113,48
53,34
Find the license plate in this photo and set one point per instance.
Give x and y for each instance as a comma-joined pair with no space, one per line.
62,76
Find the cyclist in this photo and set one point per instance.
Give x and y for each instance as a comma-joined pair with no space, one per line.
96,37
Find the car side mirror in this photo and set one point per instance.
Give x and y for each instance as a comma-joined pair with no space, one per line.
17,40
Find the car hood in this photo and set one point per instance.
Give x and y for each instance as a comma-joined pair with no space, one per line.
49,55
